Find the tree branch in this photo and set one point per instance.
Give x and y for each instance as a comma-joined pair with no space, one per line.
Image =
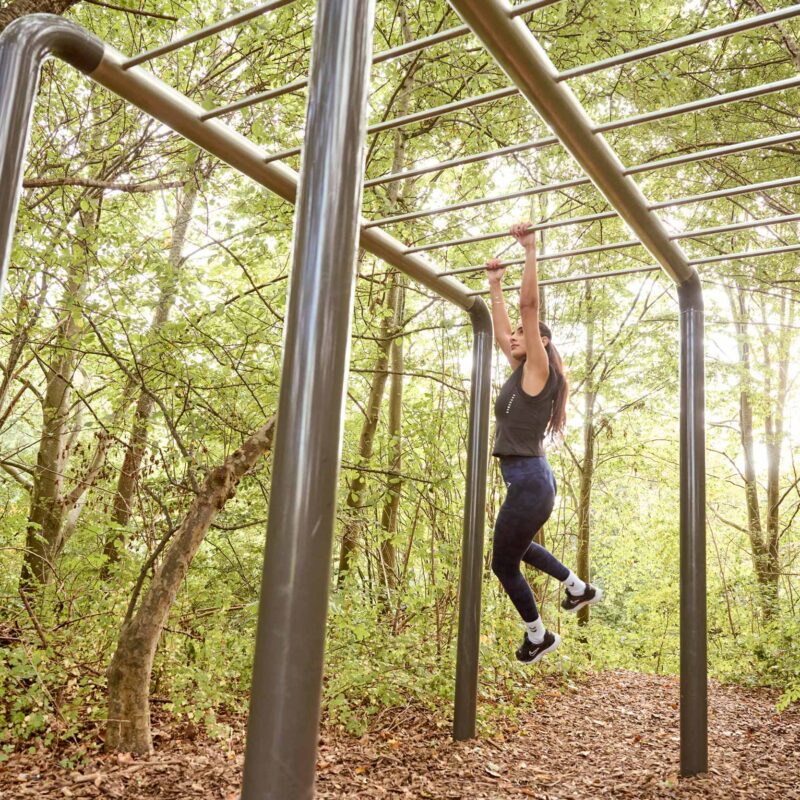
137,11
16,476
92,183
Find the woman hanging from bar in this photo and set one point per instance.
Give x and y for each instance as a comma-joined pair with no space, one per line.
531,404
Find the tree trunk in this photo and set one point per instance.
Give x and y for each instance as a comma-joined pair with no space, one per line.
22,7
755,530
137,445
131,666
379,375
391,505
773,428
44,539
355,489
45,516
587,465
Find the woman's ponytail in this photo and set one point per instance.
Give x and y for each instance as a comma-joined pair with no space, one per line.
558,414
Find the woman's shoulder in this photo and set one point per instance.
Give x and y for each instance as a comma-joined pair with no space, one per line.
550,386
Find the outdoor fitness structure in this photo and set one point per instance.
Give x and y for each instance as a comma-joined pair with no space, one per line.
285,704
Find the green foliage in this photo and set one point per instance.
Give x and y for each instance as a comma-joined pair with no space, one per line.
47,694
89,270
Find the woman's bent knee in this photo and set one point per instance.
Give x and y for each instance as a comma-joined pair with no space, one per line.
503,567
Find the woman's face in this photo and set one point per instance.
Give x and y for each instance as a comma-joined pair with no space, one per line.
518,350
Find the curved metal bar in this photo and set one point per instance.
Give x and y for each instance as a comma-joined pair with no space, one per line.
336,151
204,33
24,45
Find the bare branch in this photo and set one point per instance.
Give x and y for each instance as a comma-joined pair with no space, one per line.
93,183
137,11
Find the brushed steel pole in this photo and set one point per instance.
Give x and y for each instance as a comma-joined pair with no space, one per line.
283,725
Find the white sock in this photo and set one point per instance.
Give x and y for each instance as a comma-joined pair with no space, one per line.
535,630
575,586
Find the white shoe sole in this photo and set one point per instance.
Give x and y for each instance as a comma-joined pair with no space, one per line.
550,649
596,599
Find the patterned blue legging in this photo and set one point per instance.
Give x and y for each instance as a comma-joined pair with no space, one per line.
528,505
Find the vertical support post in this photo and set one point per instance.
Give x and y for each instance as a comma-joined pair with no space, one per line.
283,725
469,605
24,45
694,666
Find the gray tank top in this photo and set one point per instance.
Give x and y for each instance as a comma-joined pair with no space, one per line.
521,419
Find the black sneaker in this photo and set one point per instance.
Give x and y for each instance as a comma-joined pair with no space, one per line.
530,653
591,595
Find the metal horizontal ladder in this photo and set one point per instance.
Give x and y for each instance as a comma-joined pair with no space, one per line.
283,725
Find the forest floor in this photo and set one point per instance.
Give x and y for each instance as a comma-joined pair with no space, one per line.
614,735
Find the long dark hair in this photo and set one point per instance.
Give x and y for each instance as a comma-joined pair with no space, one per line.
558,414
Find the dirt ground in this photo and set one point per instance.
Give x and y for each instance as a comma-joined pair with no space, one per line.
616,736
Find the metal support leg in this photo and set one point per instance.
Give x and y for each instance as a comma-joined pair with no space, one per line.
694,693
24,45
284,717
469,608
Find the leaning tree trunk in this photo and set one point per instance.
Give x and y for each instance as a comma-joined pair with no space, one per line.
131,666
137,445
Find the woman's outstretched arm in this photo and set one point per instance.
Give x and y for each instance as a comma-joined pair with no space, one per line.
537,363
500,320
